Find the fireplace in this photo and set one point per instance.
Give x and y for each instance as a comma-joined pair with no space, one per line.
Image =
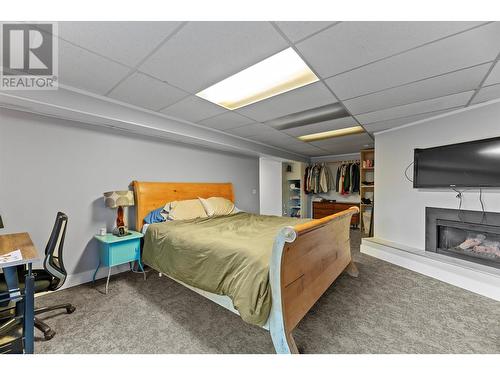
470,235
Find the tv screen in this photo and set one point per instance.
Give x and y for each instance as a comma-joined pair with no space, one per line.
468,164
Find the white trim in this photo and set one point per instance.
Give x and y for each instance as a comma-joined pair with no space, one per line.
86,276
467,275
451,113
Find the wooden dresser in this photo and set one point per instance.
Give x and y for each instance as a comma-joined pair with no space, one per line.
322,209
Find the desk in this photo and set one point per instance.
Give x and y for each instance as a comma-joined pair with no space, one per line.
21,241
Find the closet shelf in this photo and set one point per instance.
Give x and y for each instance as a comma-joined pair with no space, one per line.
367,190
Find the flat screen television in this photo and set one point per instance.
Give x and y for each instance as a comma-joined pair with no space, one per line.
468,164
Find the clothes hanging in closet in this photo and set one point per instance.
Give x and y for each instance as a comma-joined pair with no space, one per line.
347,178
318,179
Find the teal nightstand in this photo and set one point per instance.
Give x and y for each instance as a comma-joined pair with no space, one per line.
119,250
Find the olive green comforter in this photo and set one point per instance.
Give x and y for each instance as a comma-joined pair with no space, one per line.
224,255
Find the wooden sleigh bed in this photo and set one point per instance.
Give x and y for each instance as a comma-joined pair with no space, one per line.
306,259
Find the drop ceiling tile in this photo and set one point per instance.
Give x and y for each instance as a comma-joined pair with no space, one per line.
249,130
87,71
126,42
461,51
288,143
463,80
203,53
297,30
283,141
444,102
144,91
494,76
278,143
270,134
487,93
307,149
298,148
307,97
344,145
353,139
346,148
352,44
316,152
227,120
322,126
428,106
193,109
388,124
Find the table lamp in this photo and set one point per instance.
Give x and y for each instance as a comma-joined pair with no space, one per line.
119,199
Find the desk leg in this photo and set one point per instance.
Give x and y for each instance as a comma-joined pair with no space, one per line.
10,274
29,310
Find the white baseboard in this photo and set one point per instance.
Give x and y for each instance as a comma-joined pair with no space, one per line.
467,275
86,276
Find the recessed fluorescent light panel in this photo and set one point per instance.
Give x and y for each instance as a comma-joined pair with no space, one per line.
275,75
331,134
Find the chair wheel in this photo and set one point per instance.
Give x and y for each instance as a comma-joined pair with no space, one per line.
71,309
49,334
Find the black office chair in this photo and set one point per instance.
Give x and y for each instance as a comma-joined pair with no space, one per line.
52,276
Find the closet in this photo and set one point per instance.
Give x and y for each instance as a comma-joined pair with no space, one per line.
333,187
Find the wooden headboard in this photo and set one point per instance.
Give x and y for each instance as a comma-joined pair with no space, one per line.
152,195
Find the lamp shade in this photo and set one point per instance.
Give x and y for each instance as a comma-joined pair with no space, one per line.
114,199
1,222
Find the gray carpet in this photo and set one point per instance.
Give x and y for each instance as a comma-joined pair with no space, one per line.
387,309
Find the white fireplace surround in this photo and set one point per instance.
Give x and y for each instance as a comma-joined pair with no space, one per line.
474,277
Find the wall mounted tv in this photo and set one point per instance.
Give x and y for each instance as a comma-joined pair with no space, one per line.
468,164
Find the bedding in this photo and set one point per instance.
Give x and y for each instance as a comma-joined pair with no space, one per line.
227,255
217,206
185,210
156,216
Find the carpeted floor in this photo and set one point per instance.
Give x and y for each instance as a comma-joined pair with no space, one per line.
387,309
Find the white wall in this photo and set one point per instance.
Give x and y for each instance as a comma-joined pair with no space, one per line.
49,165
270,184
400,209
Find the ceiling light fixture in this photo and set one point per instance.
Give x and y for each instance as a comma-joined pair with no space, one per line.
275,75
332,134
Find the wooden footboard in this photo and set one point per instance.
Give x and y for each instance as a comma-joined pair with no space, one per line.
306,260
